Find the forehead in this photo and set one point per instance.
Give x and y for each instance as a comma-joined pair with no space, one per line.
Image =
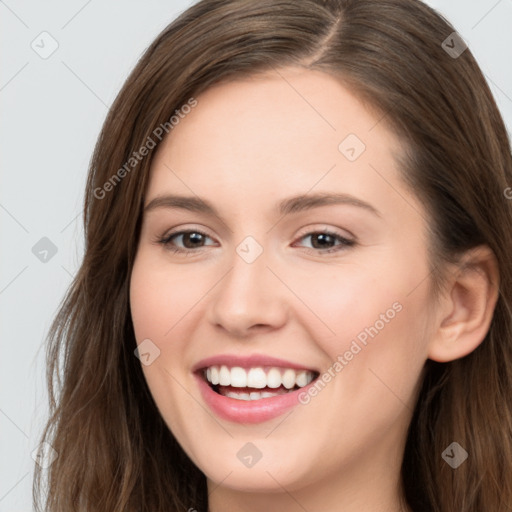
302,107
276,134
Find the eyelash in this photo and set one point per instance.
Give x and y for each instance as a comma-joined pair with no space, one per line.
345,243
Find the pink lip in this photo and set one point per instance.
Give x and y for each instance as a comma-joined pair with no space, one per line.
242,411
231,360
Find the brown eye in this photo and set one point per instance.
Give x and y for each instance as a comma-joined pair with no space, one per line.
190,239
322,242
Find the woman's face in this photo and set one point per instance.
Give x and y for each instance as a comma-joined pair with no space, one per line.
279,286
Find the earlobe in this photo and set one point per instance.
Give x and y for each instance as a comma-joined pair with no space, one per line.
465,312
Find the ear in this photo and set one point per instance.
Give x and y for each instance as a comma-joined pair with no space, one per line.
466,309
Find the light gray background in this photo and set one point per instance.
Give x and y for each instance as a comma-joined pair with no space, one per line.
51,112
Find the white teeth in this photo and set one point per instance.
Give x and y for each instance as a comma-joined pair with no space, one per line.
257,378
302,379
288,379
253,395
273,378
224,376
238,377
238,396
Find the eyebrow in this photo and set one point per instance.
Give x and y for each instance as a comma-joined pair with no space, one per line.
293,204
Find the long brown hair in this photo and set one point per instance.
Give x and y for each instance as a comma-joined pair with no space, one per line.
114,450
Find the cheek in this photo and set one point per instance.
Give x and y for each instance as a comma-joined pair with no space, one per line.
159,298
375,330
158,301
379,355
341,302
370,385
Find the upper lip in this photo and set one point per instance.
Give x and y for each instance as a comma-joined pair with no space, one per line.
249,361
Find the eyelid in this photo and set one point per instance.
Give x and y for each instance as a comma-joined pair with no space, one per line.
326,227
179,229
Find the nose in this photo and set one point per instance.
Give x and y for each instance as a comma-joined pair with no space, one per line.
249,298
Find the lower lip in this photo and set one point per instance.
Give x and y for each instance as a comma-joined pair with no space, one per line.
248,411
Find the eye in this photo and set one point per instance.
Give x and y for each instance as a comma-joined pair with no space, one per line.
191,238
194,239
322,242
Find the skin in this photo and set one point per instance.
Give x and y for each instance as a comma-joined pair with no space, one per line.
247,145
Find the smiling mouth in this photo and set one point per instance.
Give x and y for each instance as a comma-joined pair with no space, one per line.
255,383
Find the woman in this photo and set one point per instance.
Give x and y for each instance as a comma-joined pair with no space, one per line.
251,372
